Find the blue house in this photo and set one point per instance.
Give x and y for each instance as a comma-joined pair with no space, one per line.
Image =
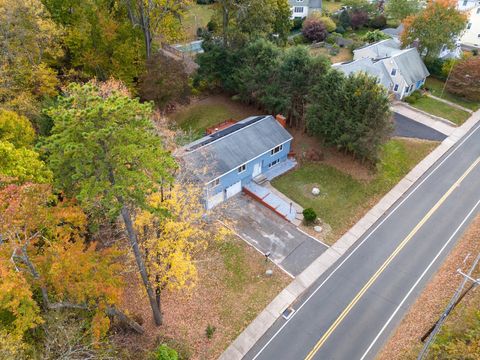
250,150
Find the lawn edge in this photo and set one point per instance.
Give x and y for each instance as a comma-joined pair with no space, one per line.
259,326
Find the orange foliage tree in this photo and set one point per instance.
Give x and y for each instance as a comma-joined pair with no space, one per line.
439,24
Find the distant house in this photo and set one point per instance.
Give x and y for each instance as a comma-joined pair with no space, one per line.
470,39
400,71
303,8
227,160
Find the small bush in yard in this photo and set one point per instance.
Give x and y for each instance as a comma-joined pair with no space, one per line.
163,352
309,215
209,331
414,97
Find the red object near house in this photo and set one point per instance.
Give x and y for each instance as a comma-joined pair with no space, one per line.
221,126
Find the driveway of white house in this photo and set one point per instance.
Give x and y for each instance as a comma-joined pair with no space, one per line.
287,246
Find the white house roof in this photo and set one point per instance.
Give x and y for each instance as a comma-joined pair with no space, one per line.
378,50
366,65
215,155
312,4
411,66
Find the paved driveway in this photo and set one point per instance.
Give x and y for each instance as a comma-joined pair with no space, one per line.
406,127
290,249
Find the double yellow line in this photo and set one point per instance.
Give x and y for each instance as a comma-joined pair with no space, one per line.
375,276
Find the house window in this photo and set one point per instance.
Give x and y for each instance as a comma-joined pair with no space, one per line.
214,183
394,72
242,168
276,150
469,25
273,163
478,10
298,9
465,2
395,88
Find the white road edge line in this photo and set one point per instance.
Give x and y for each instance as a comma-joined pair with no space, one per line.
457,146
420,279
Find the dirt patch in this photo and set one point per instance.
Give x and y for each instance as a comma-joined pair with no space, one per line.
302,143
232,289
405,342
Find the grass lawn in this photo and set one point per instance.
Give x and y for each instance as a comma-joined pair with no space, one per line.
344,54
196,16
331,6
210,111
436,86
344,199
441,109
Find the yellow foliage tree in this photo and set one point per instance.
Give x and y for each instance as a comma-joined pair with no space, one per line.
170,242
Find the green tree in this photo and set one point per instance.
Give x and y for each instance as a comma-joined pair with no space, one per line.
400,9
351,113
15,129
104,151
439,24
22,164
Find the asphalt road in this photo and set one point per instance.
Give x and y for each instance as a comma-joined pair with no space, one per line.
351,310
407,127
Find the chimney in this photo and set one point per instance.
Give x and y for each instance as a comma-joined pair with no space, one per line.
282,120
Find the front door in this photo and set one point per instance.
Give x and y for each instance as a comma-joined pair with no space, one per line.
257,169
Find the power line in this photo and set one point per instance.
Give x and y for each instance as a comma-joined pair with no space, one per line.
430,335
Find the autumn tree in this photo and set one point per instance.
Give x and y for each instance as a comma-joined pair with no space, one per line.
165,81
43,238
400,9
439,24
170,243
104,152
29,44
16,129
464,79
157,18
314,29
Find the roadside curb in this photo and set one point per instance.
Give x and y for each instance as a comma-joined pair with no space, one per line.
247,339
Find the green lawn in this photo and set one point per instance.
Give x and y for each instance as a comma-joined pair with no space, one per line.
343,199
441,109
210,111
331,6
436,86
196,16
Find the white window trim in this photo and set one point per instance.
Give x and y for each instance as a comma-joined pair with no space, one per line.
393,72
273,152
252,159
213,184
274,163
298,10
395,87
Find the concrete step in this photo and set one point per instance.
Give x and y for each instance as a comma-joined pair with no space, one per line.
260,179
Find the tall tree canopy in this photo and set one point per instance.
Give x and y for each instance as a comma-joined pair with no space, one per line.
29,45
439,24
464,79
105,152
351,113
15,129
400,9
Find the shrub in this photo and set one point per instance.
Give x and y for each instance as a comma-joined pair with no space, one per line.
475,52
358,19
413,97
329,23
435,67
209,331
309,215
205,2
344,19
212,26
374,36
378,22
334,50
163,352
297,23
340,29
314,30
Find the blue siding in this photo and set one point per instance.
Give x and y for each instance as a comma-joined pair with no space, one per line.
246,176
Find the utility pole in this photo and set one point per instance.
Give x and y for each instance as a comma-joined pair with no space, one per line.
430,335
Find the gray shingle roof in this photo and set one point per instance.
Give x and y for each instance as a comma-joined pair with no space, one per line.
209,161
411,66
376,69
312,4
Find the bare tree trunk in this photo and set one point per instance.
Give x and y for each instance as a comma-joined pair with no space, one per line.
132,236
226,19
113,311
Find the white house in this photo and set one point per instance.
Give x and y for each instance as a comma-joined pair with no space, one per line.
400,71
303,8
470,39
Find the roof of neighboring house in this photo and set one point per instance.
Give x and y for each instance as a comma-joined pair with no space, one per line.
411,66
312,4
394,32
214,155
374,68
381,49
